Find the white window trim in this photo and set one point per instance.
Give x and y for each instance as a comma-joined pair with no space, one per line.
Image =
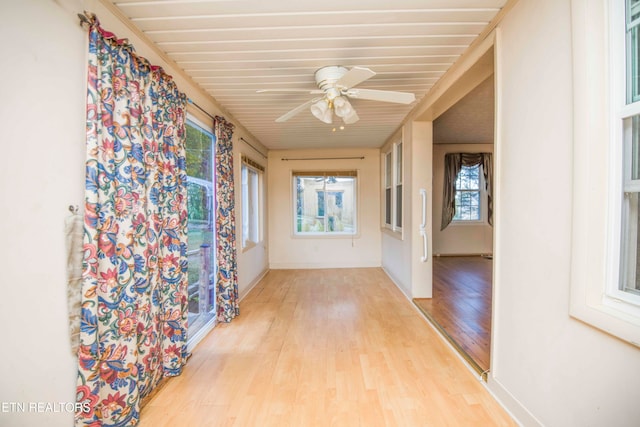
246,162
393,152
387,186
484,208
398,147
597,175
324,234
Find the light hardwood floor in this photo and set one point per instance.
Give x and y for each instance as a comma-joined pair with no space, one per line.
340,347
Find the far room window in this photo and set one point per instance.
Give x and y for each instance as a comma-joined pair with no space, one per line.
468,194
251,202
325,202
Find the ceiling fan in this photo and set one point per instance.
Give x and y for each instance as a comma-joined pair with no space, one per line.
336,85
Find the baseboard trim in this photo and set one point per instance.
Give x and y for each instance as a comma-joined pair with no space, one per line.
253,284
511,404
463,255
315,266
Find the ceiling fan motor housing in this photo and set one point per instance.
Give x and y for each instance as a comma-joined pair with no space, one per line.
326,78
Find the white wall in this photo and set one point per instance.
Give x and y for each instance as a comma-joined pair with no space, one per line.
396,247
546,365
457,238
287,251
253,262
41,114
401,254
42,117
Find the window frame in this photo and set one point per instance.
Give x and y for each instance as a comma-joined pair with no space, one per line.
393,187
624,107
387,188
481,199
599,77
254,200
352,173
205,324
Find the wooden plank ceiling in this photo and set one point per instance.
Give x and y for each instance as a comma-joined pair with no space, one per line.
232,48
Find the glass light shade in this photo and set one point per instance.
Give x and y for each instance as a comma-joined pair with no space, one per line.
322,111
342,107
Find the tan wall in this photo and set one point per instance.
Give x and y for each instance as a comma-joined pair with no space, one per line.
289,251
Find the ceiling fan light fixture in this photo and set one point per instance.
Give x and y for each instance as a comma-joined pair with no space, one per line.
342,107
322,111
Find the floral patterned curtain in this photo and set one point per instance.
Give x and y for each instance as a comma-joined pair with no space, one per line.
227,274
134,287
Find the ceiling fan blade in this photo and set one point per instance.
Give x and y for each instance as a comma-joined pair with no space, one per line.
354,76
295,111
382,95
351,118
313,92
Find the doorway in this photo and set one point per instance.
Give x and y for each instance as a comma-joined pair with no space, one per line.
461,303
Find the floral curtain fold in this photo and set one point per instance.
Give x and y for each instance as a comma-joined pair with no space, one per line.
133,326
227,274
453,163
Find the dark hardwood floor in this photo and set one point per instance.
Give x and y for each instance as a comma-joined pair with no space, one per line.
461,305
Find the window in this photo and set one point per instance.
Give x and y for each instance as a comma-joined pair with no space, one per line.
392,186
628,283
325,202
251,202
200,237
398,175
467,197
605,263
388,188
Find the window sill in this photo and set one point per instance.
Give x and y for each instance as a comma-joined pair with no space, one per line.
396,234
321,235
250,245
468,223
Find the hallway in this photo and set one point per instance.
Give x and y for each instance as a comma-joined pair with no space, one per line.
324,347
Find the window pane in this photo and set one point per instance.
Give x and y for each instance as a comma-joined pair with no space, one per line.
325,204
630,280
630,255
245,206
387,206
200,237
468,178
387,170
399,206
320,204
635,148
633,54
340,194
250,207
399,163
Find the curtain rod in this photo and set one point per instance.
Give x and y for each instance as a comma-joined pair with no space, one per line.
285,159
247,142
200,108
213,118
